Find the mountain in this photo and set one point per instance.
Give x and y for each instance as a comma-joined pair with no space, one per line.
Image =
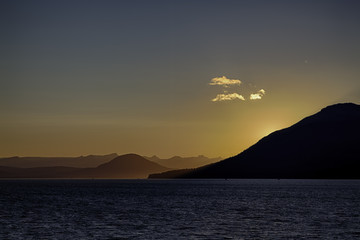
184,162
92,161
324,145
125,166
33,162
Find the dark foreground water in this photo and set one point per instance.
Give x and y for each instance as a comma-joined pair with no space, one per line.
179,209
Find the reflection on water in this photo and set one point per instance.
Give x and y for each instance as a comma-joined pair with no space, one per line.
179,209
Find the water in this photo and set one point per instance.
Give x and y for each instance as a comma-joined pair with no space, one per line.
179,209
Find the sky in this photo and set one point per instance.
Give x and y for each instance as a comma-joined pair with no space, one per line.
169,77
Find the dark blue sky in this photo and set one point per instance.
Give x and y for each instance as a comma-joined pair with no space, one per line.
87,77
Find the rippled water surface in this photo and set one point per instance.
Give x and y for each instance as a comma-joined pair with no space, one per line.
179,209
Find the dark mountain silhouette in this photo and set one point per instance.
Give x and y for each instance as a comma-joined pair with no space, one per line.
33,162
184,162
324,145
92,161
125,166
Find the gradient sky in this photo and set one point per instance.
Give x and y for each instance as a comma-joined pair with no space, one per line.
96,77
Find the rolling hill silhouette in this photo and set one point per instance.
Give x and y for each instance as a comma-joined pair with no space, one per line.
324,145
125,166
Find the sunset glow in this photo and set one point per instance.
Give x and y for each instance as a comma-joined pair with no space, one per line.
169,77
187,119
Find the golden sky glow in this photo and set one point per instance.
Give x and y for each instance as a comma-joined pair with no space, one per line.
98,77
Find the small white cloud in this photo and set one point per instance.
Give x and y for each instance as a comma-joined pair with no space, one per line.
255,96
224,81
258,95
228,97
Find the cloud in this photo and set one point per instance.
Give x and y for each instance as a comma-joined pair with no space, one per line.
225,96
258,95
224,81
255,96
228,97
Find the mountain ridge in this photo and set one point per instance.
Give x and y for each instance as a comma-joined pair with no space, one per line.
90,161
323,145
124,166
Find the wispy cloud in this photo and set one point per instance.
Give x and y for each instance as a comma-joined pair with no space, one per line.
228,97
224,81
258,95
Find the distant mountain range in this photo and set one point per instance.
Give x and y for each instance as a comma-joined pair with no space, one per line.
125,166
324,145
92,161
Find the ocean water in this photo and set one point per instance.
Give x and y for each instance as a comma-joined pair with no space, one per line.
179,209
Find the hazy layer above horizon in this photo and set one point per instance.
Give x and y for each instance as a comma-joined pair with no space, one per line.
95,77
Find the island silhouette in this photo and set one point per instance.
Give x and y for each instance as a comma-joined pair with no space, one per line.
95,166
325,145
124,166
